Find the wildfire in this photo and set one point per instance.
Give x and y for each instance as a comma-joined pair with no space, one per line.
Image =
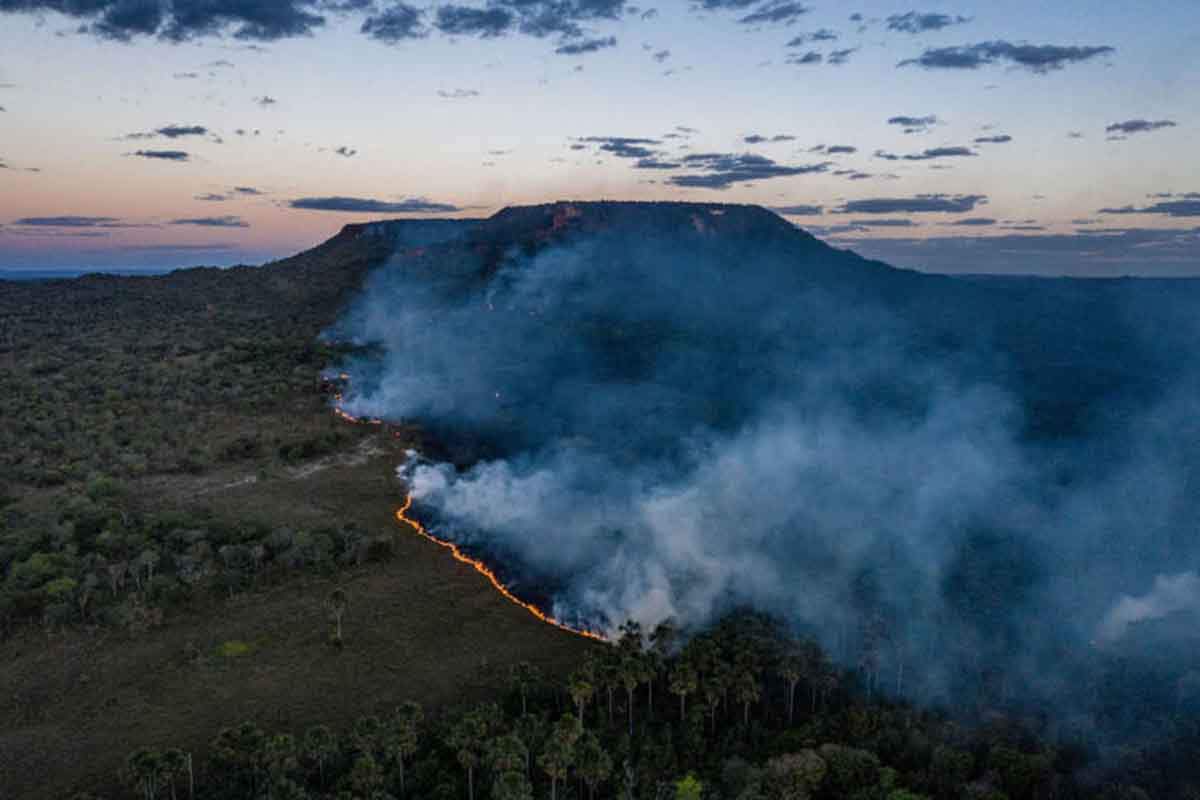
476,564
487,572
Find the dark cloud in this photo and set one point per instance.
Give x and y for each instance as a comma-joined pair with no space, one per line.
346,152
839,57
213,222
185,76
467,21
833,149
773,13
822,35
1002,138
724,5
211,197
183,20
1188,206
265,101
396,23
360,205
162,155
171,132
585,46
928,154
70,222
1120,130
798,210
884,223
661,56
913,124
248,190
974,222
755,138
1107,252
809,58
655,163
1039,58
620,146
723,170
457,94
919,204
915,22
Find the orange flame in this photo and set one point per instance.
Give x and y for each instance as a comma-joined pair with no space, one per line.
478,565
487,572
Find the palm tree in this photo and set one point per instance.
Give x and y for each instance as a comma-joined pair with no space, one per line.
521,677
145,770
320,745
683,681
791,669
512,786
581,689
507,754
633,672
595,764
404,735
467,739
559,752
336,603
747,689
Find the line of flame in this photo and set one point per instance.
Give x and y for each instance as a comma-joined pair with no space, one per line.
475,563
487,572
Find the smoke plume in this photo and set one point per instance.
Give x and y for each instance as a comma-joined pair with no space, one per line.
961,476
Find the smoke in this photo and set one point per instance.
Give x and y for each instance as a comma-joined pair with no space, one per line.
1171,594
920,471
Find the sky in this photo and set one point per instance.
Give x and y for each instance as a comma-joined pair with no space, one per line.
1040,138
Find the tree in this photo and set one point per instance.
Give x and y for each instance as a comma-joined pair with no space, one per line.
468,738
794,776
319,746
404,735
521,677
581,689
594,763
791,669
683,681
558,753
507,754
336,603
632,673
689,787
512,785
145,770
747,689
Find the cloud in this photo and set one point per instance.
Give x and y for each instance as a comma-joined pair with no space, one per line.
1188,206
885,223
755,138
822,35
913,124
248,190
914,22
928,154
70,222
457,94
780,11
397,23
621,146
974,222
213,222
467,21
833,149
359,205
839,57
162,155
800,210
184,20
919,204
585,46
656,163
723,170
809,58
266,101
345,152
1120,130
1002,138
1039,59
661,56
211,197
171,132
